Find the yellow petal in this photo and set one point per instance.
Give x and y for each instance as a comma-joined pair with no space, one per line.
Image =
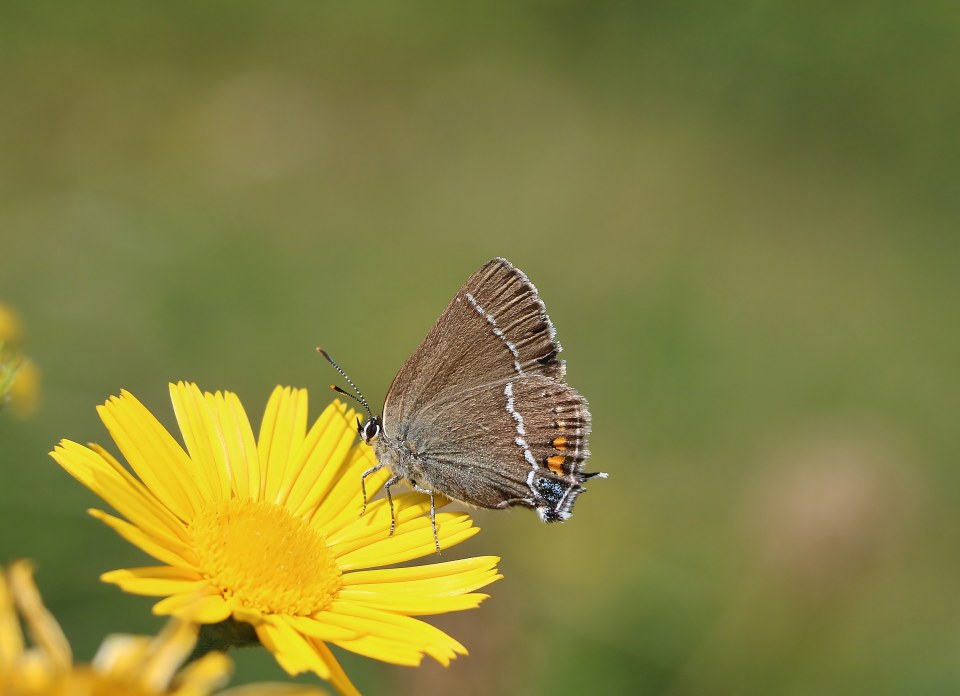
201,677
241,447
374,524
403,631
316,629
199,608
413,540
429,572
384,650
343,500
121,655
291,649
11,326
156,581
126,495
272,689
201,436
254,617
44,629
167,652
427,590
154,455
281,434
153,506
337,676
414,605
25,390
321,458
163,550
11,637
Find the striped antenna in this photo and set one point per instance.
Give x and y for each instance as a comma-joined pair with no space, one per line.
359,397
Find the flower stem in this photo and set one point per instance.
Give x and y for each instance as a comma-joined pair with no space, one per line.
223,636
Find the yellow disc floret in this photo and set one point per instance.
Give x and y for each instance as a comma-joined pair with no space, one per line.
262,558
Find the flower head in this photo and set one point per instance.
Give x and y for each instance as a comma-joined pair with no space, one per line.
19,376
124,665
135,665
11,328
266,531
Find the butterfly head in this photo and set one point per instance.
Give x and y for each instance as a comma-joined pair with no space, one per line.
370,428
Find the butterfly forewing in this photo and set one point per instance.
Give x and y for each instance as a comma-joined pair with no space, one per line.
495,327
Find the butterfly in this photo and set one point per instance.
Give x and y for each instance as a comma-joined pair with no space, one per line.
481,411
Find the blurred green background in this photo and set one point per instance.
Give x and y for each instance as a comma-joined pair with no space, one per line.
743,218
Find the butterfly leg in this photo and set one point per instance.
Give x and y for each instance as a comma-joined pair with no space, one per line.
433,512
433,522
393,519
363,485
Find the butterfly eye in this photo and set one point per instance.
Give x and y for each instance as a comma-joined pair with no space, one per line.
370,429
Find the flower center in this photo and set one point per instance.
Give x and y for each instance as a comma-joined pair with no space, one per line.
257,554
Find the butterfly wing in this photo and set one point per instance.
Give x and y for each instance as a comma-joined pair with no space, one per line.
495,327
521,440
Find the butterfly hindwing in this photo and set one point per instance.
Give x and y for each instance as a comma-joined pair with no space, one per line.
516,441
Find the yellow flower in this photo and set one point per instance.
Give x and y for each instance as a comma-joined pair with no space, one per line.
124,665
266,531
19,383
19,376
25,390
134,665
11,329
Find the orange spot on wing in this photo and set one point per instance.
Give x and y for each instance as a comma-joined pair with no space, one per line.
555,463
560,442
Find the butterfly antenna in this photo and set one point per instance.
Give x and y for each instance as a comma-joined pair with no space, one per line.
359,397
